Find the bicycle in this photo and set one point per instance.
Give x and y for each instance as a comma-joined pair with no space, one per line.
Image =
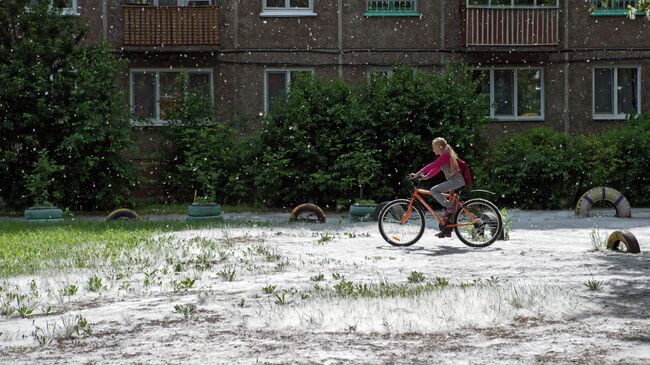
477,222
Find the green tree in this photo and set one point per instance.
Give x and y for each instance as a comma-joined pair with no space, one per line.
57,94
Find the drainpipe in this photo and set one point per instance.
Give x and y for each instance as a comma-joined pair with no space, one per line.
340,38
104,20
442,34
566,73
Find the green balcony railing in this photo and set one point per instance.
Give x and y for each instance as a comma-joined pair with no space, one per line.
391,8
612,7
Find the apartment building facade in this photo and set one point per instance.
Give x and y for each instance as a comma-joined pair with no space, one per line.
575,66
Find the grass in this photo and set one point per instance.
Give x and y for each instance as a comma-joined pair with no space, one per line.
27,248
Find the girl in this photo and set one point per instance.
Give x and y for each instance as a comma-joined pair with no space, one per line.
447,161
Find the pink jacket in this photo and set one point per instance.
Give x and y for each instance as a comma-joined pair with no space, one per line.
443,162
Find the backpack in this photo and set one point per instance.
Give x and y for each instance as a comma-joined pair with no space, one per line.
467,174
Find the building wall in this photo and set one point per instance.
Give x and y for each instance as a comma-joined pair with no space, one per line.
250,43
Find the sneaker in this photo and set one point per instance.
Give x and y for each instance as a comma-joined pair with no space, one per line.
443,234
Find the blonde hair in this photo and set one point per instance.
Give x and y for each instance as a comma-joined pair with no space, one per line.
453,160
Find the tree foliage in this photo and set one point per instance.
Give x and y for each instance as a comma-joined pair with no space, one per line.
331,140
58,98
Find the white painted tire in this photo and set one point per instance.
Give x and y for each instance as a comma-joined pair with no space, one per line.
603,193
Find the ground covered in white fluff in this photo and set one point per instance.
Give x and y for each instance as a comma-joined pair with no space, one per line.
336,293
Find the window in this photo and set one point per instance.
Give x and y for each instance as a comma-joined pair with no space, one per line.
67,7
515,94
617,92
513,3
391,8
154,92
614,8
287,8
277,83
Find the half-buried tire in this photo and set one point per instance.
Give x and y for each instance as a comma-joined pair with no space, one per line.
307,213
122,213
623,241
378,208
603,193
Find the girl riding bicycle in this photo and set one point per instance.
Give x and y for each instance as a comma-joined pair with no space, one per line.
447,161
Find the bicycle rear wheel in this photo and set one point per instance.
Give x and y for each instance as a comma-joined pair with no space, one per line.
479,223
393,230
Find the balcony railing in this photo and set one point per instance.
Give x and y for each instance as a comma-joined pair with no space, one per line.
170,25
511,27
391,8
612,7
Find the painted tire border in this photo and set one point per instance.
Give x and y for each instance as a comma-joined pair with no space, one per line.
603,193
623,237
122,213
307,207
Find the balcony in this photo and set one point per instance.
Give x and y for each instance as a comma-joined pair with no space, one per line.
171,26
499,26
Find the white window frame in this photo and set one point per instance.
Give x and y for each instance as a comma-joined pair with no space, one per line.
515,98
156,121
286,11
71,10
286,70
615,115
512,5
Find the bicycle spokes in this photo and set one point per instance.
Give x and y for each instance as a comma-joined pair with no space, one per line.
400,223
478,223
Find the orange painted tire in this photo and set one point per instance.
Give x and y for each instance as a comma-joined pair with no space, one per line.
122,213
307,213
623,241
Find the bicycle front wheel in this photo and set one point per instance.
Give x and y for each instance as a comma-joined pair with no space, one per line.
396,227
479,223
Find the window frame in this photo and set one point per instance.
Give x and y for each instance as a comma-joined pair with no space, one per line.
515,98
287,11
387,13
615,115
512,5
73,10
286,70
596,10
184,3
156,121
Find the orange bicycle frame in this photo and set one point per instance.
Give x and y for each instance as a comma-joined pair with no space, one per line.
452,198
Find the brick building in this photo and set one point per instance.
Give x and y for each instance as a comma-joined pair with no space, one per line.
574,65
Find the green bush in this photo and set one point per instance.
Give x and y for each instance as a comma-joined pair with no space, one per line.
330,140
203,154
630,164
546,169
58,99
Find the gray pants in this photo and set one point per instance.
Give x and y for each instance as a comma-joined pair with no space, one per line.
454,182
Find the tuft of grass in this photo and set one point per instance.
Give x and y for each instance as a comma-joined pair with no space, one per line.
319,277
506,224
94,284
227,274
69,290
269,289
598,241
416,277
187,310
594,285
324,238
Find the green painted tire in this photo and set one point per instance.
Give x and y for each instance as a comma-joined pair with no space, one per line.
204,210
362,212
44,214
